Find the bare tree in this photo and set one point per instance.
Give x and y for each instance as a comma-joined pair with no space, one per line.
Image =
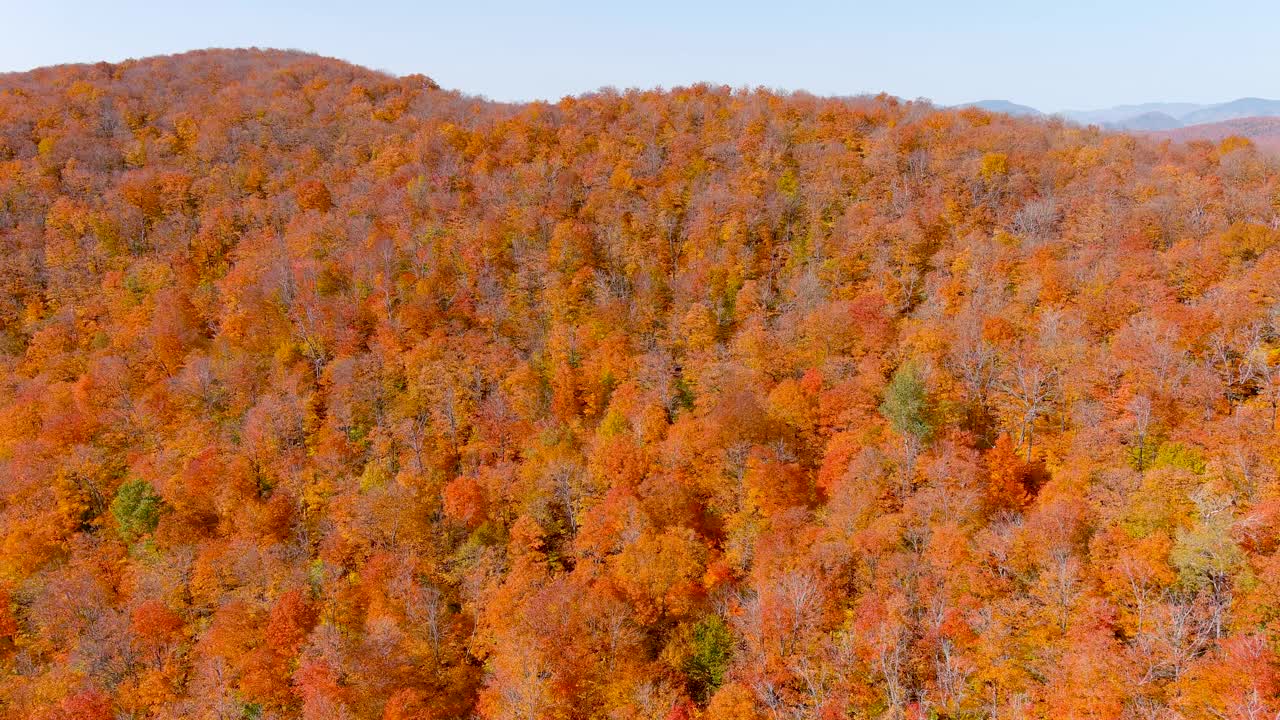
1140,410
1036,220
1030,388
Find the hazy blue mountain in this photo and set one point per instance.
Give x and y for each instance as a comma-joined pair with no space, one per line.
1154,120
1148,117
1121,113
1004,106
1242,108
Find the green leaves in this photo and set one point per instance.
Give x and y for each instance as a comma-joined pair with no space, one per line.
1206,553
712,649
137,509
907,405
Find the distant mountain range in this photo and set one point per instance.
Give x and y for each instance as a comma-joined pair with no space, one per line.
1148,117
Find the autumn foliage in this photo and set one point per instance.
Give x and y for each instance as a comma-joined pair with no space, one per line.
331,394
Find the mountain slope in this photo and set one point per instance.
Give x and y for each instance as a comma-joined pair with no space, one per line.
1004,106
1263,131
1236,109
327,394
1120,114
1148,121
1151,116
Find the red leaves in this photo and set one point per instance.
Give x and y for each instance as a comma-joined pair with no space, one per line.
317,683
289,622
464,501
562,382
407,704
88,704
682,710
154,623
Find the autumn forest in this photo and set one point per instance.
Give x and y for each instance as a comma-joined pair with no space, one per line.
326,393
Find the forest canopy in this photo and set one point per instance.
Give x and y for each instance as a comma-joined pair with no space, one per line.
331,394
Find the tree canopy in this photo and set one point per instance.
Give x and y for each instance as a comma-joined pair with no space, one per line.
331,394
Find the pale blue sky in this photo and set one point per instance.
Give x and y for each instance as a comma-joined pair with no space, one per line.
1053,55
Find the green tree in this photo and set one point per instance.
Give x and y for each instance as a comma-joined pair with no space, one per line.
1207,557
136,508
907,405
712,649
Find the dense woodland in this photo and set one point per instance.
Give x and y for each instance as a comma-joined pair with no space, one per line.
331,394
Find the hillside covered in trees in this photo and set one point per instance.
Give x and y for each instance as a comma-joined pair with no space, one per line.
331,394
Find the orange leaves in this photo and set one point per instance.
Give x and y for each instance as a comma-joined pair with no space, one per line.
562,383
998,331
733,702
661,572
322,695
622,180
157,193
1009,478
313,195
264,677
526,542
8,623
993,165
233,631
464,501
794,404
571,246
1245,242
698,329
154,623
1234,142
191,494
265,668
1241,679
289,622
773,484
840,451
1091,680
408,704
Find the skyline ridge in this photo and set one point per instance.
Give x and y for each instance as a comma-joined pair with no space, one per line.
1136,108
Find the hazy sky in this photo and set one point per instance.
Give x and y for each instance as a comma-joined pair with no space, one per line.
1060,54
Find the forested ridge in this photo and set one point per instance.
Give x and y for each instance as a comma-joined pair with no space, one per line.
331,394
